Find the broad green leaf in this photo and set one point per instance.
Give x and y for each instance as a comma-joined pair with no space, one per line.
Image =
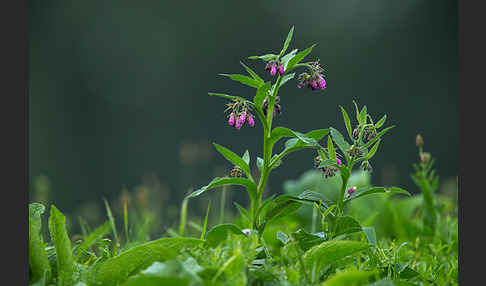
246,157
378,136
380,122
346,225
297,58
371,236
286,78
285,59
306,240
338,138
117,269
253,74
260,163
244,80
38,262
328,252
374,190
267,57
287,41
347,122
233,158
92,238
280,132
351,278
60,238
330,149
373,150
220,232
317,134
243,212
220,181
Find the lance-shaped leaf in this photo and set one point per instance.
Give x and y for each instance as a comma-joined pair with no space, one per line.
267,57
227,96
38,262
285,59
330,149
380,122
317,134
246,157
244,80
287,41
217,182
375,190
282,206
297,58
307,240
57,230
286,78
280,132
92,238
363,115
372,151
347,122
371,236
338,138
233,158
253,74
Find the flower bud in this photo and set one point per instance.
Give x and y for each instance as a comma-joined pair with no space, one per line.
242,117
281,69
251,121
238,124
231,120
419,141
339,161
351,190
425,157
273,69
321,82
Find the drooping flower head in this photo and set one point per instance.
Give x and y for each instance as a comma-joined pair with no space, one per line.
315,80
240,113
281,69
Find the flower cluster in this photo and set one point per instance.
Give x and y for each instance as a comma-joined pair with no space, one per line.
328,171
240,113
369,133
273,66
354,151
276,107
315,80
351,190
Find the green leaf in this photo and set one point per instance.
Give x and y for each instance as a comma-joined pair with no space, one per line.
374,190
113,226
261,94
380,122
117,269
338,138
220,232
373,150
282,206
286,78
351,278
378,136
285,59
362,115
287,41
92,238
227,96
347,122
60,238
280,132
233,158
330,149
246,157
260,163
371,236
253,74
357,111
38,262
328,252
205,224
243,212
346,225
317,134
306,240
244,80
267,57
220,181
300,56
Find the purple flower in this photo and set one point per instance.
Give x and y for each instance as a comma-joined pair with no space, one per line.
281,69
231,120
251,121
313,84
242,117
339,161
321,81
351,190
273,69
238,124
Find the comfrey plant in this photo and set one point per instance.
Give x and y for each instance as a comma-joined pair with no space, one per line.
265,105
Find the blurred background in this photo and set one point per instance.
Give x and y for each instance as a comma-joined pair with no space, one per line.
119,105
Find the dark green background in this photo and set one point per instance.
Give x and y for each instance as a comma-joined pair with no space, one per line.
118,89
